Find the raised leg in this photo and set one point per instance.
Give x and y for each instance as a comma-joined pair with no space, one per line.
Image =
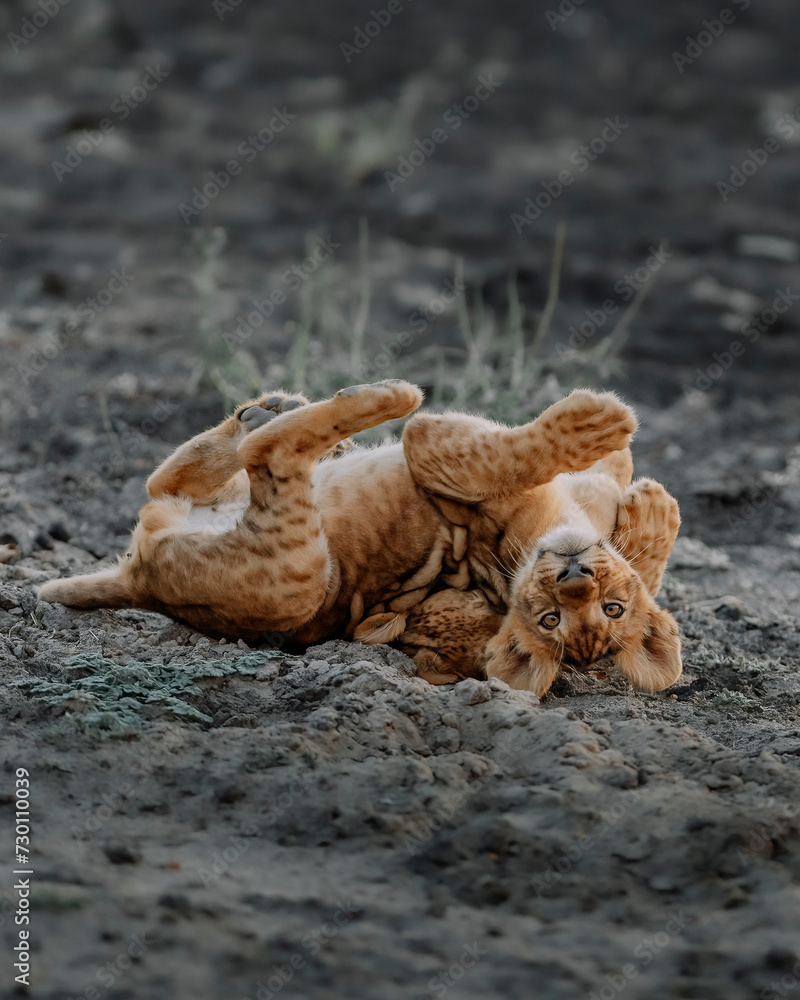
203,467
469,459
648,520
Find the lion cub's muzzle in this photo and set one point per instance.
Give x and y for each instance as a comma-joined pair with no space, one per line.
574,570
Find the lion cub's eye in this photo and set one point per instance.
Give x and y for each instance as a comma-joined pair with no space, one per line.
550,620
614,610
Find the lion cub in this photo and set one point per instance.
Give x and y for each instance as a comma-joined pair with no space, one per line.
482,549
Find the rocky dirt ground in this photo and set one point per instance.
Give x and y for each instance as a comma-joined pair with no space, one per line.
216,821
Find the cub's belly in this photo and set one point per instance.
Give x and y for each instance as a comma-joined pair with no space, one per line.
387,540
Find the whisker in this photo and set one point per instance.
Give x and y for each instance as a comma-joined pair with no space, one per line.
652,542
618,640
504,570
517,551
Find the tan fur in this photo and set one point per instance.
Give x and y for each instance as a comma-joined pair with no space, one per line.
450,544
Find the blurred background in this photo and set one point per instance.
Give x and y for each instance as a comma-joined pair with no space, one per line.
201,200
501,201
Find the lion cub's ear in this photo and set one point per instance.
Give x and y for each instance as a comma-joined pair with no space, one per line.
653,662
506,661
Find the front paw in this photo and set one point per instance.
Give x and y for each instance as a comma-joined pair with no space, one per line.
648,507
507,660
648,520
586,426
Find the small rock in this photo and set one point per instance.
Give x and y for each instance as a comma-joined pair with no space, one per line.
58,531
229,794
122,854
473,692
42,540
177,902
495,684
664,882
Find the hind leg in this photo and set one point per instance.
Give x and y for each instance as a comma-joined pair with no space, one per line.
269,572
445,635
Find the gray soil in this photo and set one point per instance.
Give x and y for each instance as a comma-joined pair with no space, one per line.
214,821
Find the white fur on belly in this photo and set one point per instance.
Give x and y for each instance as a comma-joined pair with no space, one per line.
217,520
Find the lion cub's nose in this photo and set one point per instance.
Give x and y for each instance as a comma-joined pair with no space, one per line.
573,571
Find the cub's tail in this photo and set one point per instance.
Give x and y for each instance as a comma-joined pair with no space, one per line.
106,589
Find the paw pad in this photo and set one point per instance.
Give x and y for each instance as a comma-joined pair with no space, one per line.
269,408
256,416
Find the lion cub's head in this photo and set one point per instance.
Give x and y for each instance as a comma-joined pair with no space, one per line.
573,602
